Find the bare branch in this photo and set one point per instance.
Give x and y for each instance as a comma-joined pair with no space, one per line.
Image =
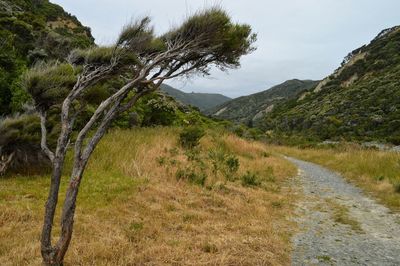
43,142
5,162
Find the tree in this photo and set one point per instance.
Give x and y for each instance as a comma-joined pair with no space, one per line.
141,62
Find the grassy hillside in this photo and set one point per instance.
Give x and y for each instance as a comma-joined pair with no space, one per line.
203,101
376,172
137,206
360,101
252,108
31,31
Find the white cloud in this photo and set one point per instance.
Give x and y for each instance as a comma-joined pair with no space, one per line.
304,39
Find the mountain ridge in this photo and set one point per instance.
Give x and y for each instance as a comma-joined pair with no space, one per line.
359,101
251,108
202,101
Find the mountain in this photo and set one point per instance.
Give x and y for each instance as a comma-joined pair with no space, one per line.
359,101
201,100
33,30
252,108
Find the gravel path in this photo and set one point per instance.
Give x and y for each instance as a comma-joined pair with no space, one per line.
340,225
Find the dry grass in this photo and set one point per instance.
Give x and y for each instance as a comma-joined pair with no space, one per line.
341,214
377,172
133,211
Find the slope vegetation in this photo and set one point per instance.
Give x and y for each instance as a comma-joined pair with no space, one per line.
360,101
252,108
31,31
203,101
142,200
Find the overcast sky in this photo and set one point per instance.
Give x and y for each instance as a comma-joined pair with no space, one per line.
304,39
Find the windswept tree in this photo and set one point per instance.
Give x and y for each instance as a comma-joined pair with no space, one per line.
139,62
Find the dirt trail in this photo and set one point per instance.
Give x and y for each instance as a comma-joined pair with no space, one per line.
340,225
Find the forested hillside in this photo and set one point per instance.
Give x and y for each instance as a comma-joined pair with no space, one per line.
252,108
33,30
360,101
203,101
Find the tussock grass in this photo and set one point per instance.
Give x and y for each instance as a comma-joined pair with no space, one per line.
376,172
133,211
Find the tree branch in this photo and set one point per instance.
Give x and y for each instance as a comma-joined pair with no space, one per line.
43,142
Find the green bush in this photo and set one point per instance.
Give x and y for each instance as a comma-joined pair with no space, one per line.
190,136
192,176
232,165
250,179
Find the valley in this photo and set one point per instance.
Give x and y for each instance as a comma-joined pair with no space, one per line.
103,163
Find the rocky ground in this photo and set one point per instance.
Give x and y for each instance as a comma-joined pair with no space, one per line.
340,225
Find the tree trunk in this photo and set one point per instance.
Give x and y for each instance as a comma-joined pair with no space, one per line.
55,255
50,209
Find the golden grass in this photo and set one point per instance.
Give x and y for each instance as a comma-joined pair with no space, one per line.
132,210
376,172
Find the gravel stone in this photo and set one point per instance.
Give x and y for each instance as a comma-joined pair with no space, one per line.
322,241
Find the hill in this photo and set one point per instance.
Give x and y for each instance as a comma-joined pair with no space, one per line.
359,101
31,31
203,101
145,206
252,108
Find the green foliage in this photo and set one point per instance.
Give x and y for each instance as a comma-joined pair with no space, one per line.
159,111
359,103
232,166
193,176
49,84
249,109
27,37
221,161
203,101
190,136
250,180
139,38
102,55
217,158
21,136
213,30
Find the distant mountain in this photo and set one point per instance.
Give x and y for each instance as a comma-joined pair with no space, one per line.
359,101
252,108
201,100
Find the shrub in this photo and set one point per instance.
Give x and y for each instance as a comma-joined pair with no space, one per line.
265,154
232,164
190,136
209,247
250,179
192,176
161,160
20,150
396,186
217,158
193,155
